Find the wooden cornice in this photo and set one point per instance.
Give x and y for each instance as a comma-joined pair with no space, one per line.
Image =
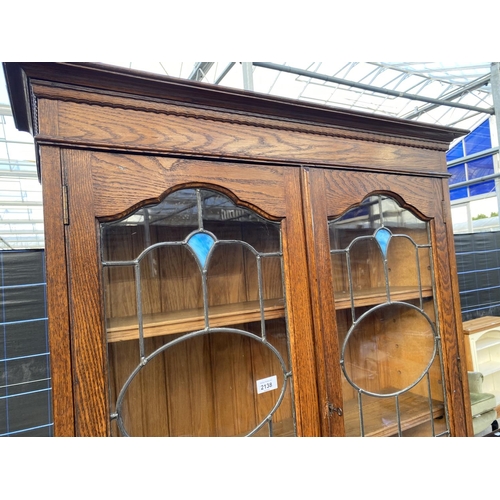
157,88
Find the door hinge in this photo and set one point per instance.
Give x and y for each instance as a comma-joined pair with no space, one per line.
65,204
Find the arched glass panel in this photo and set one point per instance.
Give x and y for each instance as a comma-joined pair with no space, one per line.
195,320
387,322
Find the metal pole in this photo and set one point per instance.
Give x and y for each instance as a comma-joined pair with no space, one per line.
495,92
247,75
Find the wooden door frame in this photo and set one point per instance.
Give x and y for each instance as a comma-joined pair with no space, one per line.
95,194
428,197
57,293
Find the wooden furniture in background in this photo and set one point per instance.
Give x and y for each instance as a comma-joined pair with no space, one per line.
482,350
329,261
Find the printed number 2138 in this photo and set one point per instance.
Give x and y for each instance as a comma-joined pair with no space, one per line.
267,384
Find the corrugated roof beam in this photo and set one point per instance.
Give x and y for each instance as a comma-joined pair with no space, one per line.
228,68
476,84
371,88
247,75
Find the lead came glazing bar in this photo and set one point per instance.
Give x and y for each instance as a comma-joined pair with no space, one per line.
200,209
138,295
398,415
261,298
431,410
360,409
349,280
205,297
419,278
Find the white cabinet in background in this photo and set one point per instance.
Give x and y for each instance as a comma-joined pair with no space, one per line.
483,351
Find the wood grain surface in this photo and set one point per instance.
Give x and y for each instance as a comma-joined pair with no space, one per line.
57,294
106,127
85,304
117,191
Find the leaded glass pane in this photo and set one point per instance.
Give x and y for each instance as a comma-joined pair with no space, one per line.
387,322
195,317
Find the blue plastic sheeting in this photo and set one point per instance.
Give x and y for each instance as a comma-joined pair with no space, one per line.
457,194
475,142
455,152
479,139
457,174
483,188
480,167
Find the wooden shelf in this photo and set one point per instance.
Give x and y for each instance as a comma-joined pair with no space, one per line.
380,414
489,368
378,295
487,342
422,430
187,320
193,319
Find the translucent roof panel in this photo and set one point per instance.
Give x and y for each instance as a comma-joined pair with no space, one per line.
396,89
21,211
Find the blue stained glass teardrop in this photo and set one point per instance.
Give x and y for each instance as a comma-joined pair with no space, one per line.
383,236
201,243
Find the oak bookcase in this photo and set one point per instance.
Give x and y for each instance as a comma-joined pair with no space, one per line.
224,263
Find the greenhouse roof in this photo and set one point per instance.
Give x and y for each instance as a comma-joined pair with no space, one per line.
451,94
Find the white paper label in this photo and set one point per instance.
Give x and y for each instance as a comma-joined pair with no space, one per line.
267,384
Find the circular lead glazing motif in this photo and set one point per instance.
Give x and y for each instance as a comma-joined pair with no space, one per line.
389,349
190,376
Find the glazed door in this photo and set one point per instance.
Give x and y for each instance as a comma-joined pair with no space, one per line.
222,299
189,298
382,256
